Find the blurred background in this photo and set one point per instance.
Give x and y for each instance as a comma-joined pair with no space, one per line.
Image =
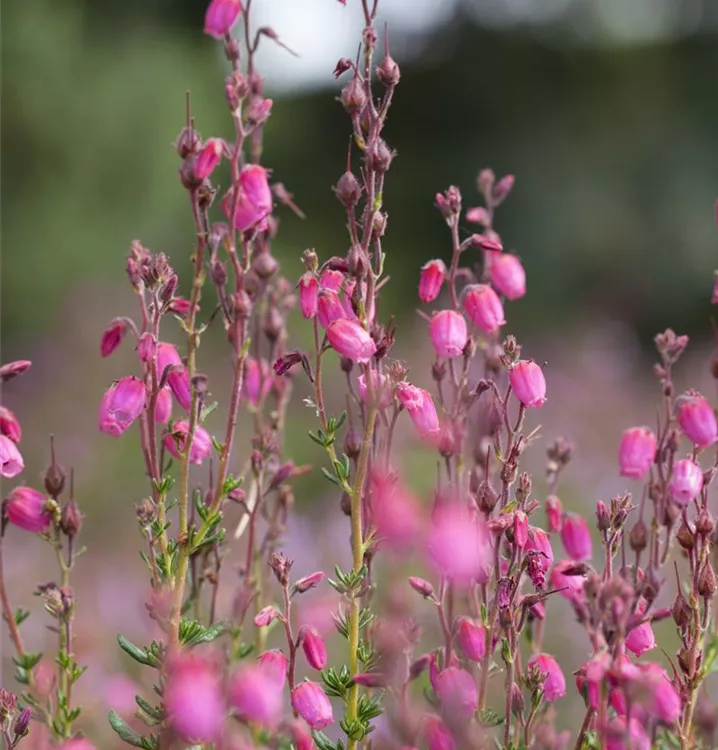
605,111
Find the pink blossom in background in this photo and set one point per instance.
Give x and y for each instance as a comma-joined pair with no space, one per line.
554,686
484,308
396,513
256,695
431,280
508,275
576,537
570,587
636,452
200,449
686,481
381,388
641,639
220,17
457,691
257,382
275,663
448,333
11,461
471,638
122,403
622,735
437,734
697,419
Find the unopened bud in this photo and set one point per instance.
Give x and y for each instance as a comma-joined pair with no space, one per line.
352,443
353,97
685,536
265,265
638,538
54,476
71,519
242,305
379,156
421,586
348,189
388,71
707,581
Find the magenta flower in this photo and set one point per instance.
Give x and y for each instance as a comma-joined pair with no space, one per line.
314,648
554,686
221,15
329,308
200,449
697,419
79,743
396,513
622,735
448,333
122,403
112,336
163,405
275,664
257,381
431,279
576,537
508,275
308,291
478,215
636,452
538,540
9,425
471,638
208,159
554,514
27,509
664,702
177,378
528,383
457,692
420,407
312,704
256,695
255,199
484,308
265,616
11,462
437,734
351,340
570,587
381,388
193,698
686,481
332,279
641,638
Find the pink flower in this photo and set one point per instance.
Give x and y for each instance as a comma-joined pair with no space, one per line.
200,449
112,336
395,512
14,369
256,694
308,582
714,296
641,638
508,275
221,15
626,736
332,279
312,704
520,528
257,381
11,463
471,638
421,586
265,616
570,587
431,279
208,159
351,340
178,378
448,333
576,537
484,308
698,420
554,514
554,686
308,289
478,215
193,698
27,509
275,663
147,348
538,540
457,692
301,736
420,407
9,425
314,648
329,308
437,734
79,743
381,388
122,403
459,544
163,405
686,481
528,383
255,199
636,452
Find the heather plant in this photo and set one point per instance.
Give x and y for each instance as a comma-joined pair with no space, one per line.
481,554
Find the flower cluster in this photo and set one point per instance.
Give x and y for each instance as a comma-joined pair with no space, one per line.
491,552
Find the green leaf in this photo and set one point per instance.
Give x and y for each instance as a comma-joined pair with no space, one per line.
21,615
193,632
128,735
154,712
138,654
489,718
207,410
28,660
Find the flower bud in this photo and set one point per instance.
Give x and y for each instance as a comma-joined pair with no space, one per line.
554,514
265,265
448,333
348,190
636,452
483,306
432,277
388,71
421,586
112,336
638,537
508,275
71,519
13,369
351,340
275,664
502,188
314,648
686,481
379,157
528,383
176,377
707,581
221,15
312,704
353,97
308,582
697,419
28,509
122,403
11,461
471,638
